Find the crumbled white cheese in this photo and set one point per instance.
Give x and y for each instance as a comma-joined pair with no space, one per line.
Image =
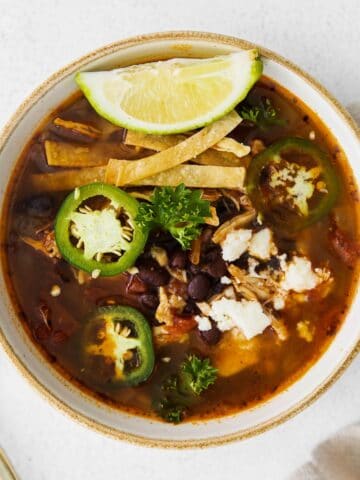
223,312
252,264
282,259
303,188
225,280
278,302
299,183
299,276
229,292
246,315
235,244
253,320
262,245
204,323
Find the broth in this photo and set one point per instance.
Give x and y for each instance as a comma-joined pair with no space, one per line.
56,323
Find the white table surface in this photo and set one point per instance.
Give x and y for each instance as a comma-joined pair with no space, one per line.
39,36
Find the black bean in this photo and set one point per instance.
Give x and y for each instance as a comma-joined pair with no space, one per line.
274,263
199,287
149,301
225,209
218,287
150,272
194,269
163,239
243,261
36,156
178,259
216,268
212,336
63,269
191,308
206,235
40,206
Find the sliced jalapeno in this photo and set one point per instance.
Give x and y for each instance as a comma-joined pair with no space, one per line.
96,231
120,338
293,183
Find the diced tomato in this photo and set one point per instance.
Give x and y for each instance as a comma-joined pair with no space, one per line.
181,325
346,249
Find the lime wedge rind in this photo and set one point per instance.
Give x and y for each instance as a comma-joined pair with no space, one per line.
242,69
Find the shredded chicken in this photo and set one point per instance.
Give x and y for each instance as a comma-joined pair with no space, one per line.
234,223
177,273
163,312
45,245
210,195
214,219
195,251
262,288
159,254
162,337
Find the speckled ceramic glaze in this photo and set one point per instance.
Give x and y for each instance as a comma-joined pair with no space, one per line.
62,393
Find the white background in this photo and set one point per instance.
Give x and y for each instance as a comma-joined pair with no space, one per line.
39,36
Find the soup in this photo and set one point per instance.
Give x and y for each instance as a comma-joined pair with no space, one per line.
198,275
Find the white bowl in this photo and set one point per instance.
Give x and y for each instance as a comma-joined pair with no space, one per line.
62,393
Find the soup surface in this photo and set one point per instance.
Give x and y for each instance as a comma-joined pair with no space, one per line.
236,311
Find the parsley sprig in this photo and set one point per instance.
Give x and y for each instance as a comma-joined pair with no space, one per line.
197,374
181,390
178,210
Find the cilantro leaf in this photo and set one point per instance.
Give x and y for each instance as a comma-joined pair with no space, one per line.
171,412
178,210
263,115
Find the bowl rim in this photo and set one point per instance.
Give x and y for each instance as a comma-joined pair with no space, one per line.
32,99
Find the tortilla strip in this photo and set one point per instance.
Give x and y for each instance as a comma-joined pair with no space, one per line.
197,176
120,172
78,127
231,145
191,175
162,142
67,179
226,152
63,154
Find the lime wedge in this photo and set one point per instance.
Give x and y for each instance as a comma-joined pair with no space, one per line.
172,96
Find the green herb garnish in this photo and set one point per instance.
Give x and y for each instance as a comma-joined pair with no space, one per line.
263,115
178,210
181,390
197,374
171,412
